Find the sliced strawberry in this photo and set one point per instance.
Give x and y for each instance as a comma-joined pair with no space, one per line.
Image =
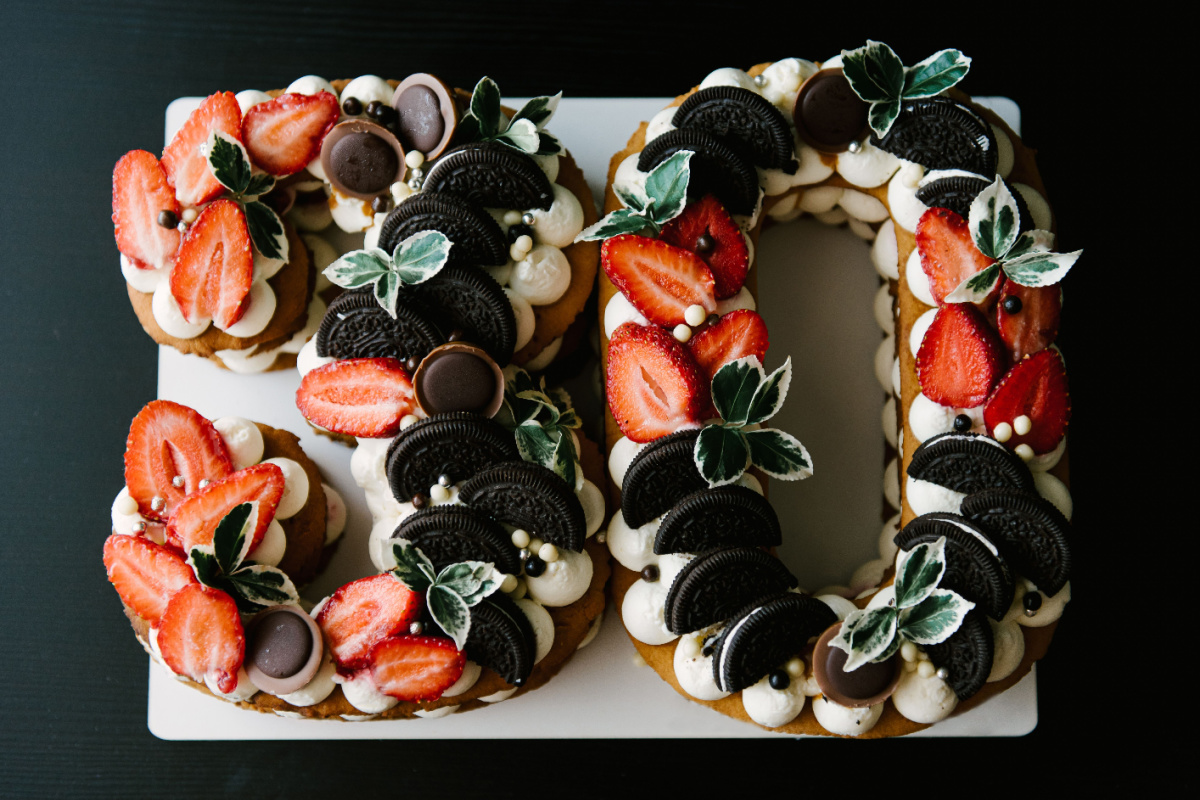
960,358
1033,324
184,158
661,280
197,517
168,441
364,397
654,385
283,135
948,253
1036,387
737,334
416,667
706,229
140,193
146,575
201,635
362,613
215,266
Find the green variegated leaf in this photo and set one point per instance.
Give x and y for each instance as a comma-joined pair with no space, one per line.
204,565
233,536
229,162
412,568
262,586
919,571
266,231
870,635
890,650
521,135
450,612
977,287
770,394
485,107
539,110
666,186
467,129
875,72
632,196
459,578
535,444
543,401
1031,242
564,458
734,387
567,416
479,580
548,144
259,185
623,220
881,116
387,291
421,256
779,454
359,268
935,74
721,454
1040,269
993,220
933,619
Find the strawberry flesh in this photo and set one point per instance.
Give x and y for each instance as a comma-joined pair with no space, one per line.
140,193
948,253
660,280
416,668
706,229
197,517
146,575
364,612
284,134
738,334
1035,387
1034,325
960,358
654,386
201,635
364,397
184,160
215,266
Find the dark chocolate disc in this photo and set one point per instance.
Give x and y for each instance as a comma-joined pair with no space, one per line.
280,645
532,497
458,445
660,475
743,119
974,567
452,533
957,192
1031,533
469,300
502,639
356,326
459,377
362,158
968,463
867,685
491,175
966,655
939,133
828,114
765,635
477,237
716,168
712,587
720,517
427,114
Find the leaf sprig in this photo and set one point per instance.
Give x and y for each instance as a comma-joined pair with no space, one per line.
449,594
878,77
660,201
415,260
485,121
541,421
223,565
230,165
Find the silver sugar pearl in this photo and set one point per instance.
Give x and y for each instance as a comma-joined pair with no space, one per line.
139,527
444,480
943,673
414,184
1031,612
524,554
204,482
528,218
415,628
760,81
157,503
854,147
177,481
417,173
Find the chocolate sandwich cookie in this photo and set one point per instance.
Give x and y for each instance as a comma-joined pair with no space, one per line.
661,475
974,567
356,326
966,655
829,116
477,237
1032,534
939,133
532,497
723,516
716,168
743,119
457,445
468,305
957,192
451,533
764,636
968,463
491,175
712,587
502,639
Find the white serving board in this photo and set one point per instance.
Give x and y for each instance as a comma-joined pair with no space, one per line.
817,300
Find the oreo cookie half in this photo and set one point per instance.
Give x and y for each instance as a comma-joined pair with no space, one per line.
356,326
939,133
743,119
957,192
491,175
477,237
468,300
966,654
450,534
974,566
532,497
712,587
502,639
661,475
1032,534
969,463
720,517
716,167
458,444
763,636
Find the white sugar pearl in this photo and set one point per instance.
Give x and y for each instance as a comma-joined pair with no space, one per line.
1003,432
519,592
414,158
683,333
520,538
512,217
926,669
695,315
438,493
535,545
1024,451
908,651
795,667
1022,425
524,242
508,584
515,252
407,419
125,505
189,215
548,553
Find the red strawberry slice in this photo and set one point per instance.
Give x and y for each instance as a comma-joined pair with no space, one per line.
140,193
960,358
201,635
661,280
706,229
184,158
362,613
416,667
654,385
215,266
197,517
1036,387
1034,323
146,575
283,135
948,253
738,334
364,397
166,442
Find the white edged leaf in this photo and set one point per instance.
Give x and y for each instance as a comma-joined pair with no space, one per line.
1038,241
734,386
233,536
623,220
882,116
919,571
485,579
935,74
721,454
259,185
261,586
875,72
933,619
539,110
229,161
632,196
204,564
865,635
412,568
421,256
977,287
994,220
535,444
387,291
460,578
779,454
485,107
521,135
770,394
266,231
548,144
450,612
1040,269
359,268
667,185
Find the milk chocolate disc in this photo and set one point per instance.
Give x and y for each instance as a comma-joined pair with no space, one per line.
502,639
356,326
458,445
714,586
452,533
283,649
529,496
716,168
477,237
968,463
957,192
868,685
491,175
362,159
468,300
428,114
723,516
744,120
828,114
974,567
967,655
764,636
939,133
1032,534
459,377
661,475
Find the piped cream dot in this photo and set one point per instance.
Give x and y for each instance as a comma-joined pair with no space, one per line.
414,158
125,505
795,667
695,315
1022,425
189,215
548,553
520,538
439,493
908,651
926,669
406,420
525,242
512,217
1024,451
516,253
1002,432
682,332
509,584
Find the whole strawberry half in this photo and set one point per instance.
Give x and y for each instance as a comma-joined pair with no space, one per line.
416,668
960,358
1032,324
1035,387
215,266
170,449
146,575
184,158
659,279
284,134
364,612
201,635
948,253
364,397
140,193
706,229
197,517
653,384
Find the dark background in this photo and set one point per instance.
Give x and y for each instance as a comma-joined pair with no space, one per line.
85,83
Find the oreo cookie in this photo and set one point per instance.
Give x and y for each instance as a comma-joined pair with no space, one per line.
449,534
477,237
356,326
1032,534
969,463
974,567
765,635
502,639
714,586
662,474
531,497
716,168
468,300
491,175
957,192
966,655
720,517
743,119
458,444
939,133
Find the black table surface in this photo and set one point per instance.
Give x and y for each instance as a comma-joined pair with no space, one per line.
86,82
